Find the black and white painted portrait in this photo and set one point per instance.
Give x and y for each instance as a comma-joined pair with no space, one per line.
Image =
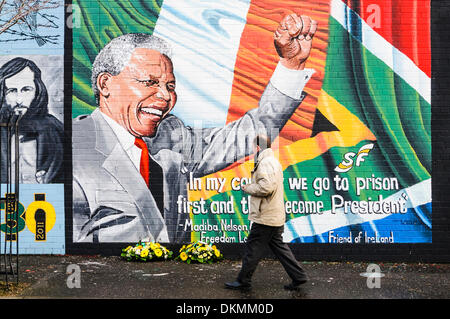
33,86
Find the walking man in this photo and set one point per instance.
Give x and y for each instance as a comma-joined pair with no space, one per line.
268,217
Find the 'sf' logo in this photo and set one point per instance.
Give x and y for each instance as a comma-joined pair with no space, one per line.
347,162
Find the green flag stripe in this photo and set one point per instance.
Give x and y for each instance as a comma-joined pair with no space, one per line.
391,109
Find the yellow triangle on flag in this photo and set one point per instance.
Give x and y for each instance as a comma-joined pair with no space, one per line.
350,132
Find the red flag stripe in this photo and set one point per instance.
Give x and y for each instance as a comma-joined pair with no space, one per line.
403,23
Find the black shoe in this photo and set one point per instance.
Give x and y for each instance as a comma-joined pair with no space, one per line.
236,285
295,285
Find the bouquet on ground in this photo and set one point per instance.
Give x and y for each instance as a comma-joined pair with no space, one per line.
199,252
146,251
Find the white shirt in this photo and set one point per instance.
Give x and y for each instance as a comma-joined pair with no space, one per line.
287,81
126,140
290,82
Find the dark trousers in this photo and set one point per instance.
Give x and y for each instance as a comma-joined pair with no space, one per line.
259,238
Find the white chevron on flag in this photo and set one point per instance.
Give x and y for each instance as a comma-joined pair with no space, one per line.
400,63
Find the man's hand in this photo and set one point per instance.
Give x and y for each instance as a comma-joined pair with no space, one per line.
293,40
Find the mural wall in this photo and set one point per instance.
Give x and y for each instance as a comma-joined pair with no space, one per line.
167,96
32,82
352,129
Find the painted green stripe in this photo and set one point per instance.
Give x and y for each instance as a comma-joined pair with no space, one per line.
393,111
102,21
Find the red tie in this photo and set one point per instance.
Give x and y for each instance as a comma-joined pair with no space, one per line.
145,162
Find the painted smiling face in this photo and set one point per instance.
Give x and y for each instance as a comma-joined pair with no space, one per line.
142,94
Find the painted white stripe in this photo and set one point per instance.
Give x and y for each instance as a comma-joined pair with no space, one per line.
205,36
316,224
400,63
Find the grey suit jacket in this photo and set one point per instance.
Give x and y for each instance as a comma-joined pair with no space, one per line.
111,202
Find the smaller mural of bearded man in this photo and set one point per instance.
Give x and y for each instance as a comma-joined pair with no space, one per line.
41,135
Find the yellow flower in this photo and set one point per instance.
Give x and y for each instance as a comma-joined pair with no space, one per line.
217,253
214,247
183,256
158,252
144,253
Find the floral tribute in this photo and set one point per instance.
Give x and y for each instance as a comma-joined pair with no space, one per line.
199,252
146,251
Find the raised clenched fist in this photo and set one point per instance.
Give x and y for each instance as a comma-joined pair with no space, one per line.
293,40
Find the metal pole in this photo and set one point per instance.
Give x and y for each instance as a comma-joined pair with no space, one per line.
10,199
16,184
8,180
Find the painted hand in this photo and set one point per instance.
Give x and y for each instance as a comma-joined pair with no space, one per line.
293,40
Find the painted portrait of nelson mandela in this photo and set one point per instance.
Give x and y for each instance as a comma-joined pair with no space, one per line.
132,157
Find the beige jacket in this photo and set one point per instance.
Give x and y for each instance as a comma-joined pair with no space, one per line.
267,191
